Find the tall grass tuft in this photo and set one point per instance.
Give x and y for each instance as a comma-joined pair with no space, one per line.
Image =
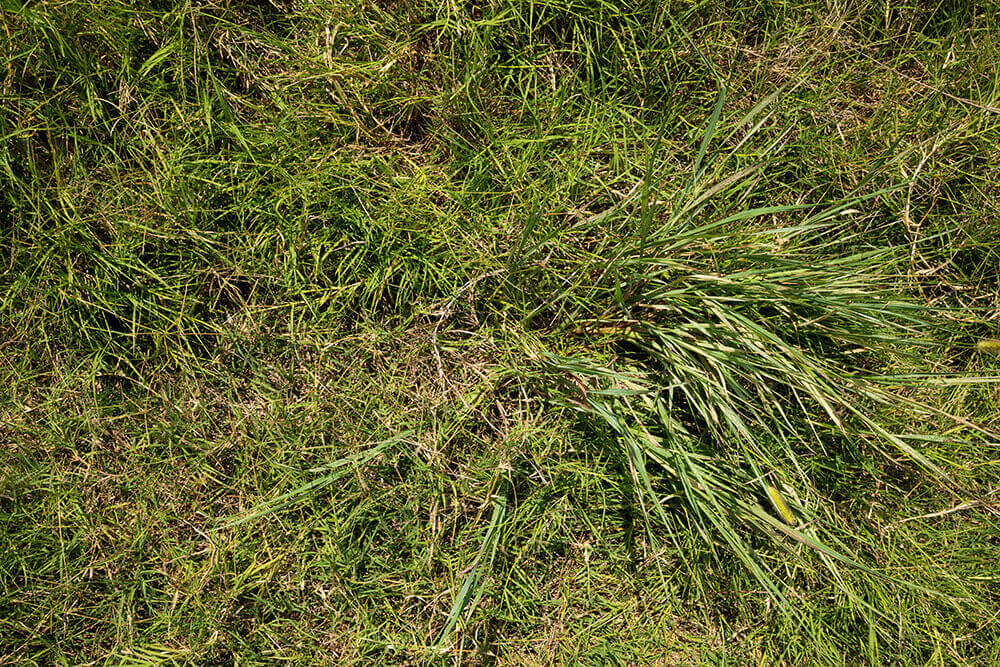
735,349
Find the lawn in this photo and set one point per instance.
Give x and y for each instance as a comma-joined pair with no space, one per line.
515,332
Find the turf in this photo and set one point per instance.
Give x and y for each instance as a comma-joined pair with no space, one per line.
501,332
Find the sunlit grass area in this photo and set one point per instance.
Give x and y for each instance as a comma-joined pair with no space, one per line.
500,332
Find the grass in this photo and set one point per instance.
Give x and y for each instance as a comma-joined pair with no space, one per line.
508,332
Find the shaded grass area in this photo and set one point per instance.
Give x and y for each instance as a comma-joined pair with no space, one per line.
400,332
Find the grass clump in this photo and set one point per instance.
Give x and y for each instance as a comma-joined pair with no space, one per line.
503,332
